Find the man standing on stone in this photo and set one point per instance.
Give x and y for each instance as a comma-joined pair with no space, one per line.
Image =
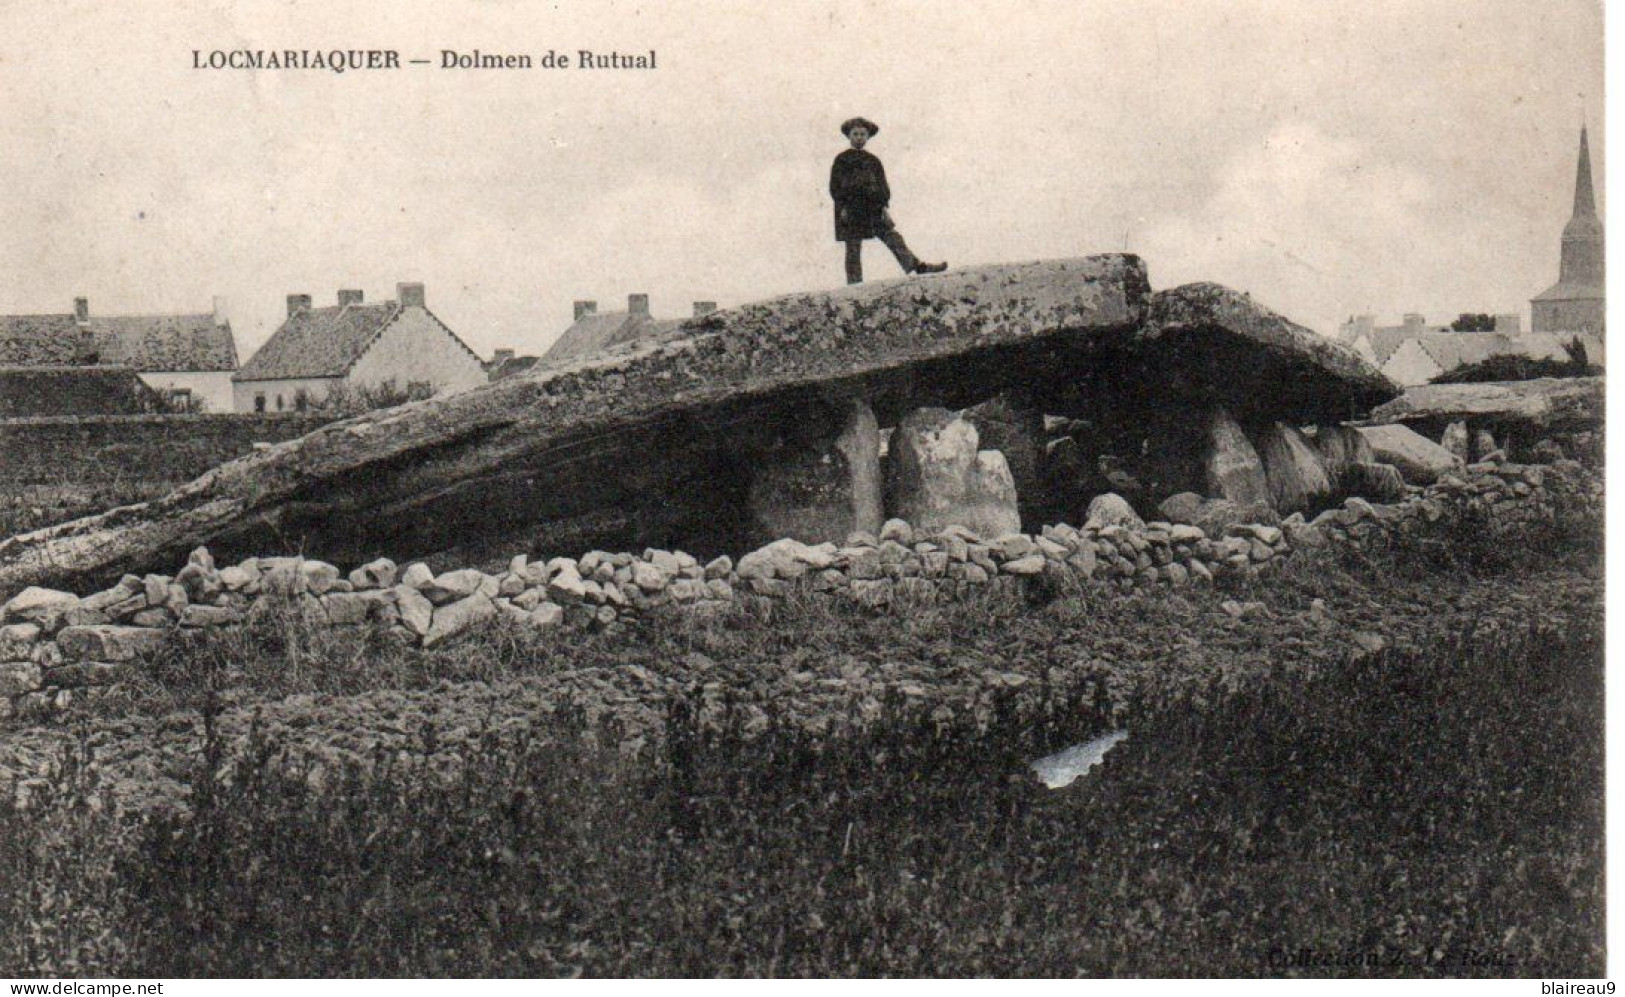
857,182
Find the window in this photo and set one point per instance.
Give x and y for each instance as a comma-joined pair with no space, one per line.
279,403
259,402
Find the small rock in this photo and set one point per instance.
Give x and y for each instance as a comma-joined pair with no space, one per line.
36,604
18,677
1032,564
416,611
417,575
898,530
319,576
210,616
1111,509
455,617
1368,642
1241,610
453,586
376,574
547,614
17,641
108,642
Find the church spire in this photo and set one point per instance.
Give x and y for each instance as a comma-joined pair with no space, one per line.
1585,203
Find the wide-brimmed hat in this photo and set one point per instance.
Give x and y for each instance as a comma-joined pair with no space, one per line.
851,123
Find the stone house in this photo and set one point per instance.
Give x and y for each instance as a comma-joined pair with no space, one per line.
180,356
187,357
593,331
355,344
1420,359
504,364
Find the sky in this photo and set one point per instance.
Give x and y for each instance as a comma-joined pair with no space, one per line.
1385,156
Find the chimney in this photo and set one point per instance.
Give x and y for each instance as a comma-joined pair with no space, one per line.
1509,325
220,319
501,357
586,308
298,303
349,298
409,295
704,308
81,310
638,304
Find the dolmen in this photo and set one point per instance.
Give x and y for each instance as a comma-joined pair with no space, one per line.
779,418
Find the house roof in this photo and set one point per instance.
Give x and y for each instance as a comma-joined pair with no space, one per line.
76,389
1570,291
165,342
326,342
1452,349
510,367
1386,339
31,340
598,332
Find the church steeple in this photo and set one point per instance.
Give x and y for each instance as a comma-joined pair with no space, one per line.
1582,237
1576,302
1585,203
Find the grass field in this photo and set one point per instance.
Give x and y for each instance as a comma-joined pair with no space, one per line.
1284,804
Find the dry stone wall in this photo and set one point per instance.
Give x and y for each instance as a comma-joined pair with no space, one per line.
57,645
167,449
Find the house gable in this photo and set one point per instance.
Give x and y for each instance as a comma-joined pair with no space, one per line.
414,346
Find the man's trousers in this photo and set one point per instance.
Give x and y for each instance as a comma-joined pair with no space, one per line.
894,242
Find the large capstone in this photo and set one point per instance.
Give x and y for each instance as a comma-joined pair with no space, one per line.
937,476
822,488
1263,368
1541,404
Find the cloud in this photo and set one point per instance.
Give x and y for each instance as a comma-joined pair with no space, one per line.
1309,223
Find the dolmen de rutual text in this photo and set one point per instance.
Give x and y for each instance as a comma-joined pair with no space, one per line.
664,441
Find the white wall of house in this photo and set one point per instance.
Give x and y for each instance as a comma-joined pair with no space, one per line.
1411,365
416,348
285,390
212,388
1362,346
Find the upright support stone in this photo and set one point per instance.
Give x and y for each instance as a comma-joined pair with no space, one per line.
1341,447
823,489
1457,441
937,476
1293,469
1232,466
1004,423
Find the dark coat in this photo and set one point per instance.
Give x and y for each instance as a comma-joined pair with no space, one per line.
857,182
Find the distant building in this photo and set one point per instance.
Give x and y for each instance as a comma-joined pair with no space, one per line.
593,332
1571,310
180,356
1415,353
45,340
505,364
355,344
74,389
1577,302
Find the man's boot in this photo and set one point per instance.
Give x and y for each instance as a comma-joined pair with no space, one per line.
930,267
